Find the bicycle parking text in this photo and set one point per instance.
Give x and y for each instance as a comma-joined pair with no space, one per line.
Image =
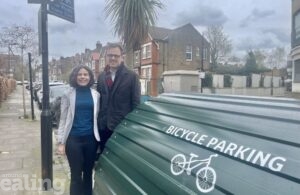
268,160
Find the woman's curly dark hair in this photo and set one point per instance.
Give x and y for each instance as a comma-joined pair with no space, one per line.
74,73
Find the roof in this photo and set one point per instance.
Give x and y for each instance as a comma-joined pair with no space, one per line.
187,26
159,33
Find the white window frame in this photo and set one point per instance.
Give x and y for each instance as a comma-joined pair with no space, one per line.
146,51
137,57
102,62
204,53
198,51
189,51
146,72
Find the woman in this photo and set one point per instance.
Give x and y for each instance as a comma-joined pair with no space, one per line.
78,132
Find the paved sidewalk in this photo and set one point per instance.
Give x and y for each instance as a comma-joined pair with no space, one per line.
20,151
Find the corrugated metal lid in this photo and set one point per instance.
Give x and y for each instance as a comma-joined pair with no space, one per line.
191,144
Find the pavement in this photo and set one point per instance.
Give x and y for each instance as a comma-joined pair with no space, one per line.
20,151
292,95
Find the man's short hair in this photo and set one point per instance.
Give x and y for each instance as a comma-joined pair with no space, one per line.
114,45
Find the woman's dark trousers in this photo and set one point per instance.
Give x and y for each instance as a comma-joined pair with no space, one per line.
81,151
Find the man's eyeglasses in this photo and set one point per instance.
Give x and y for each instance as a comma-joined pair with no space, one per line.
113,55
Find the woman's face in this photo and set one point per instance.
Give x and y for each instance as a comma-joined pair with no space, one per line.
83,77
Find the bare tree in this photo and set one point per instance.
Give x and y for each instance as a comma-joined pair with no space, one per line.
35,58
23,39
276,58
219,42
260,56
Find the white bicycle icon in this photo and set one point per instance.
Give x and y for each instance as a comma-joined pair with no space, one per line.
205,177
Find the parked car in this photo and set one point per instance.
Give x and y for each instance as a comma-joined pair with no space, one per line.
34,85
288,84
39,93
54,101
55,111
36,88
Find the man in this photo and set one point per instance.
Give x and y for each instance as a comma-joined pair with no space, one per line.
119,90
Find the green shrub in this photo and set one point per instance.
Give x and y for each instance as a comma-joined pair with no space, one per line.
227,80
249,81
261,81
207,81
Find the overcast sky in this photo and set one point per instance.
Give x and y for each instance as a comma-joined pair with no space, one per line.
250,24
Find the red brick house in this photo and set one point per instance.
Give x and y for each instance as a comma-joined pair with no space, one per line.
95,59
183,48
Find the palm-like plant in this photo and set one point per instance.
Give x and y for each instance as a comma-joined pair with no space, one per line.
132,19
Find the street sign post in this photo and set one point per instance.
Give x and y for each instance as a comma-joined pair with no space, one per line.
63,9
40,30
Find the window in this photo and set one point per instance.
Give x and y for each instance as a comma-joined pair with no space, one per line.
297,25
296,29
204,53
188,53
146,51
137,57
143,52
297,71
146,72
102,63
197,51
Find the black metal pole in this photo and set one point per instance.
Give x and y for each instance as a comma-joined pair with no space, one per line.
202,52
46,131
31,87
272,83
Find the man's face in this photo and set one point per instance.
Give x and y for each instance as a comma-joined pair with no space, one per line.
114,57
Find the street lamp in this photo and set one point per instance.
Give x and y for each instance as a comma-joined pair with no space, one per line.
272,82
22,47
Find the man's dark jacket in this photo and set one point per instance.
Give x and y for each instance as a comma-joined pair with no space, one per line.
121,99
